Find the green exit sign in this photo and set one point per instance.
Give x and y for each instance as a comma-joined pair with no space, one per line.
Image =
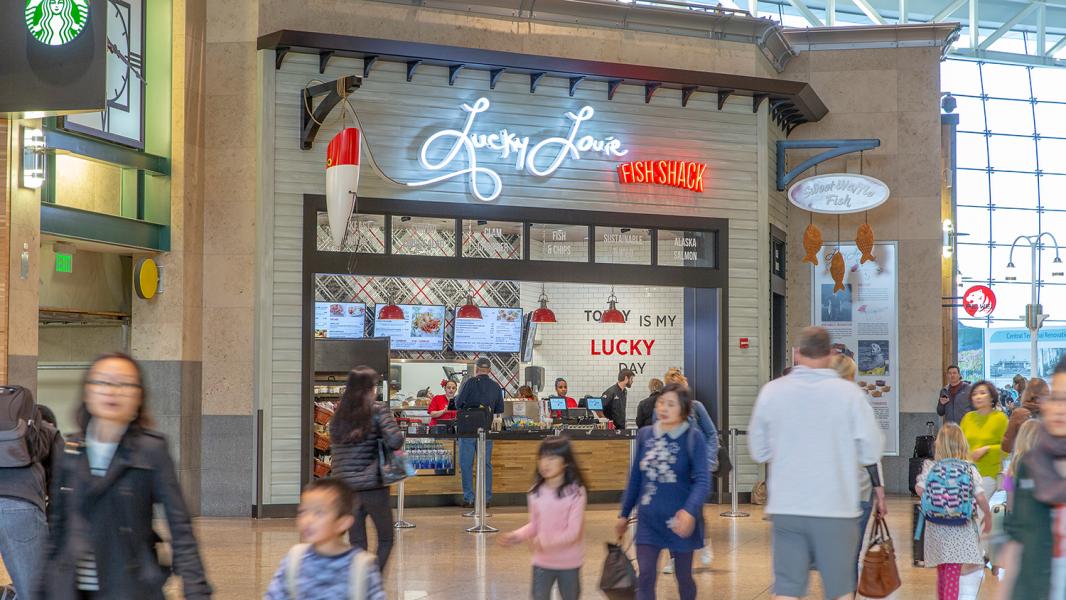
64,263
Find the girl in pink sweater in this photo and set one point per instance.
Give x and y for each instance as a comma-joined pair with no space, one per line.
556,527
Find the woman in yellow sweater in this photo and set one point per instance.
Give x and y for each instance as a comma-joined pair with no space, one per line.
984,427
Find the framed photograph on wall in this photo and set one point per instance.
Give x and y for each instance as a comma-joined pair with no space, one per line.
122,121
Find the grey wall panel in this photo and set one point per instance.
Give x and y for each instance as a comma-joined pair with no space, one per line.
397,116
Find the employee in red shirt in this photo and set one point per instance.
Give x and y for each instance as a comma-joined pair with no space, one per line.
561,388
438,406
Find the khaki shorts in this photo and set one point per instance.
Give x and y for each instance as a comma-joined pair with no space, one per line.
827,543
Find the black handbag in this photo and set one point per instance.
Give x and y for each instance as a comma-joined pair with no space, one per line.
619,578
392,464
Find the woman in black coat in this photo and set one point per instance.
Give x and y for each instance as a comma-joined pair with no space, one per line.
101,543
359,424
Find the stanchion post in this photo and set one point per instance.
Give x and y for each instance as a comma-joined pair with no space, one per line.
734,513
479,488
400,523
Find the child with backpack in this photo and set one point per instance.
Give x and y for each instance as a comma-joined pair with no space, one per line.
556,525
325,566
951,494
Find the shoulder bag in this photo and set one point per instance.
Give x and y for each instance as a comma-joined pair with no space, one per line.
880,576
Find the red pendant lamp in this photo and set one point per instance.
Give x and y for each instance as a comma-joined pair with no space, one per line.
543,314
390,312
468,310
612,314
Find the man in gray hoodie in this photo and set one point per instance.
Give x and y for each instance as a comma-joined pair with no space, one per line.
954,400
816,430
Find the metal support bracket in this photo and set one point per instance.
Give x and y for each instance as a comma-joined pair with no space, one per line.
534,81
723,95
453,72
574,81
323,60
649,91
756,102
279,56
411,66
686,94
612,87
309,124
368,63
835,148
494,76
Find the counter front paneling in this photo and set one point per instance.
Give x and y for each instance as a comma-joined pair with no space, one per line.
604,460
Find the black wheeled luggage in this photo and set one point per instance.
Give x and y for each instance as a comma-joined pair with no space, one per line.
914,469
925,445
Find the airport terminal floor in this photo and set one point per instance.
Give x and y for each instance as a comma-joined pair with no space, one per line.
438,560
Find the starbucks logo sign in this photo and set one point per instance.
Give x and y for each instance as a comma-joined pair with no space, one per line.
56,22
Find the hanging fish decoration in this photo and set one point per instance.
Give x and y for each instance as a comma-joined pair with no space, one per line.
812,243
864,239
837,270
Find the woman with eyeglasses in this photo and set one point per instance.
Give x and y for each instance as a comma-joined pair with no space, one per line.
101,542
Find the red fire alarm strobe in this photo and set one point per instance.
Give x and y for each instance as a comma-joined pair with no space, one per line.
743,343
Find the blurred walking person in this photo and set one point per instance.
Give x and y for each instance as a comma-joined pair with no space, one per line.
360,430
1036,391
110,476
816,431
668,483
985,427
871,490
26,452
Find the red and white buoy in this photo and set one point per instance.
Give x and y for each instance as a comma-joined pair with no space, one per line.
342,181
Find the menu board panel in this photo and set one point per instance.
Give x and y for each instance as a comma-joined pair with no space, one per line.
340,320
498,330
421,328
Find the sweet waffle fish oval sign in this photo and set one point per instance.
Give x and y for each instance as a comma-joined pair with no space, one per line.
838,193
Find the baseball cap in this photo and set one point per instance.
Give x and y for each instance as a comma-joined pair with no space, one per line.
483,363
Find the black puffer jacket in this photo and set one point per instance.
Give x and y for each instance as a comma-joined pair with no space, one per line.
111,517
357,463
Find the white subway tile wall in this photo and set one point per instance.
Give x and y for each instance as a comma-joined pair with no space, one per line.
566,348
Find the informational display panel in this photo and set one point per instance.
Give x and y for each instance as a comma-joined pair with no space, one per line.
421,328
498,330
340,320
863,320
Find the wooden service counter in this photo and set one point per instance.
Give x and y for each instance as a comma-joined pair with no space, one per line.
603,456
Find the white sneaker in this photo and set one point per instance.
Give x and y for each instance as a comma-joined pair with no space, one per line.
669,568
707,554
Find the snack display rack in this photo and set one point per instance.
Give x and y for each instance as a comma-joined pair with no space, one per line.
327,392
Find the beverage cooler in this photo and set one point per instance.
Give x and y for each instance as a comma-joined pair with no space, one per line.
333,360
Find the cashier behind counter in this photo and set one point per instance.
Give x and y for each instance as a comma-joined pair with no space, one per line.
614,399
561,388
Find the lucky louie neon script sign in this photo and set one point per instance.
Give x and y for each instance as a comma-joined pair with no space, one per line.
485,183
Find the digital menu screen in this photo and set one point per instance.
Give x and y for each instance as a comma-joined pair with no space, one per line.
498,330
340,320
421,328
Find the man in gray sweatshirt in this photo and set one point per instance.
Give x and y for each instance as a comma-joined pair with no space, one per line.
816,431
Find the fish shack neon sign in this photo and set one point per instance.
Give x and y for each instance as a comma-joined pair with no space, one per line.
539,159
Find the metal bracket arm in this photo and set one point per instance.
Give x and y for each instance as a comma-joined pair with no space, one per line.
836,148
309,123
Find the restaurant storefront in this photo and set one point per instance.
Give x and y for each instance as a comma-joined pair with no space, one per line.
501,184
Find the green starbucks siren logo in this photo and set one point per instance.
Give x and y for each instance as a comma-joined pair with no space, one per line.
56,22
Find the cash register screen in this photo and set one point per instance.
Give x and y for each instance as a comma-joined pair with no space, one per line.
595,403
557,403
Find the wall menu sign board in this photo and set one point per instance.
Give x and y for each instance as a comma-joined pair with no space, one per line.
498,330
864,323
340,320
53,56
421,328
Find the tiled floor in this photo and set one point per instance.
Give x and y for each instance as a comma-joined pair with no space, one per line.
438,560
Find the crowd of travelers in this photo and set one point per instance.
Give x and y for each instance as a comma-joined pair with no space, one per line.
77,513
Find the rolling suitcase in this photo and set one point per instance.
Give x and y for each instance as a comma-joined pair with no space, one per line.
914,469
925,445
917,545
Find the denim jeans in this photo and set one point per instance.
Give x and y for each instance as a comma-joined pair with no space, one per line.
569,581
23,533
467,452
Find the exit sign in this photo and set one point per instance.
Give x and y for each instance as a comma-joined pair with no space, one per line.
64,263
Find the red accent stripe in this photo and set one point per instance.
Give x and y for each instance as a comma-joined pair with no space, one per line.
343,148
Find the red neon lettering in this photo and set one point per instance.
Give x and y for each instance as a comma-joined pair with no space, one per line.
682,174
